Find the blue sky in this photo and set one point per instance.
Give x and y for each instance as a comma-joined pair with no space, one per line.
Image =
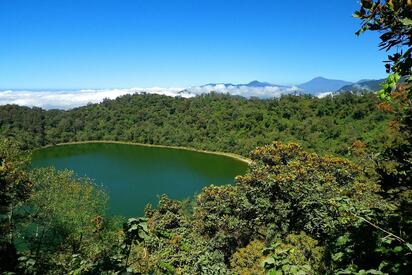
72,44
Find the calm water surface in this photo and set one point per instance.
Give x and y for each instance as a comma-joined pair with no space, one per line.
135,175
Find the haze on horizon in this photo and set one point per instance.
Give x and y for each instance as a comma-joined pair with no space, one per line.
108,44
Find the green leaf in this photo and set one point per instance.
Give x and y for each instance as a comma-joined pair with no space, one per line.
398,249
342,240
268,261
144,226
406,21
356,14
337,256
373,271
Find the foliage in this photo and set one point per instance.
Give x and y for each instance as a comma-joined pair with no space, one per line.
394,20
176,246
15,188
135,231
294,212
224,216
63,208
377,250
214,121
298,202
249,259
65,222
364,250
297,254
293,190
286,190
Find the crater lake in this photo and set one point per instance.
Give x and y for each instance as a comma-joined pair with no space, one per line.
135,175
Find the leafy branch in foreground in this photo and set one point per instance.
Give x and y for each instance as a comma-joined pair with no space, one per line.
15,189
394,20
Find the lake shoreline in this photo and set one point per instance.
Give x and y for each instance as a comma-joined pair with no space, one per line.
230,155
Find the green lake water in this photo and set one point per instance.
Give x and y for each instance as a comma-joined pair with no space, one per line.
135,175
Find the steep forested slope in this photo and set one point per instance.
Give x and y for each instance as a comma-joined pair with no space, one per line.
213,122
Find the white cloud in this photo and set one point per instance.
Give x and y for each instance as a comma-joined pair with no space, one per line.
321,95
246,91
72,99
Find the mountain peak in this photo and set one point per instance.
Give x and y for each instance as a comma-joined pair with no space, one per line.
256,83
319,78
321,85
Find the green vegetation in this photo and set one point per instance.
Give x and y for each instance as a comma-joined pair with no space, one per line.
296,211
213,122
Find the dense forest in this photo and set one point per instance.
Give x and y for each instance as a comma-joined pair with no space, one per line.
340,202
213,121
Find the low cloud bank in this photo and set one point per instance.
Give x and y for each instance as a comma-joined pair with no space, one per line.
72,99
244,90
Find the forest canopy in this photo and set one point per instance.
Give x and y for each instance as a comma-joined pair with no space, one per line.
328,189
213,121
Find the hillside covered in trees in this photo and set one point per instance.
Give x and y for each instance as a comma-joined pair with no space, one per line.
295,211
214,122
339,203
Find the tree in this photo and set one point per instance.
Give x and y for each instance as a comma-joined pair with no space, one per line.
66,216
393,19
15,189
292,190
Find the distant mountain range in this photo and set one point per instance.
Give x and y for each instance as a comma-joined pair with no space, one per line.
323,85
368,85
252,84
318,86
66,99
252,89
